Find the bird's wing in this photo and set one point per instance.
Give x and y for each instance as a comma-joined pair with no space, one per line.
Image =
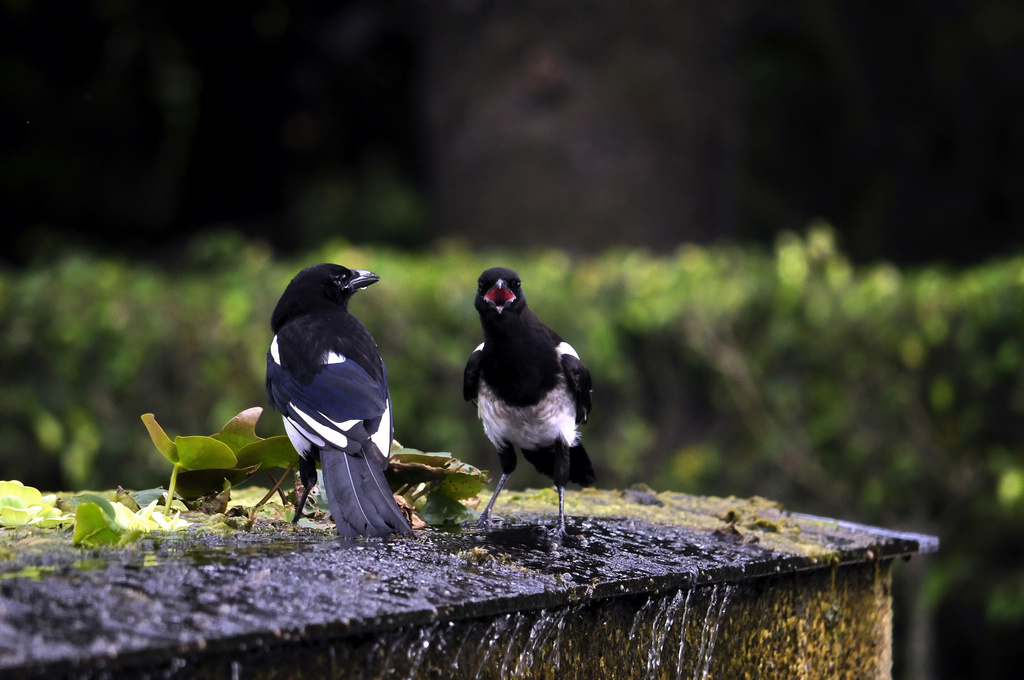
334,406
471,376
577,379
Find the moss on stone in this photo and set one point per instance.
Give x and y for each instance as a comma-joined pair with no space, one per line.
753,519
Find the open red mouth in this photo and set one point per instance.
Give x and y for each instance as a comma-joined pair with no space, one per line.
499,296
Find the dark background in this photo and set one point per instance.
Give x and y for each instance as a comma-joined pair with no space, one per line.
130,126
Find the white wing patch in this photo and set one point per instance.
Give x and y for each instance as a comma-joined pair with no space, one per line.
382,437
329,358
331,435
479,347
275,352
565,348
302,439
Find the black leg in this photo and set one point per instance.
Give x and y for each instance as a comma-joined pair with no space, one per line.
307,475
561,477
485,516
507,456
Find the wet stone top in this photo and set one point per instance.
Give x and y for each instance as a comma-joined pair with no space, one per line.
202,590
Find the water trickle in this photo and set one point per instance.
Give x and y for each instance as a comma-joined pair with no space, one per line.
684,620
660,625
712,621
491,640
547,623
510,656
420,645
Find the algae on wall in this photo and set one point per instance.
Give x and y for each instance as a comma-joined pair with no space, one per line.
825,624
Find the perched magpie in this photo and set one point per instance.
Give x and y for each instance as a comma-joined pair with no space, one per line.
530,388
326,377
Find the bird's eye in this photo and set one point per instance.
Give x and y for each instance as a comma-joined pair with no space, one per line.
516,283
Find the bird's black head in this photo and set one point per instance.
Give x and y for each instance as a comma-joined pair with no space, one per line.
320,287
499,292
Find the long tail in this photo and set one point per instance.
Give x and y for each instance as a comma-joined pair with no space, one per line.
581,470
360,498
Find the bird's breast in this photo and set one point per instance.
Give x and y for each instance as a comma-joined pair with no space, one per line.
532,426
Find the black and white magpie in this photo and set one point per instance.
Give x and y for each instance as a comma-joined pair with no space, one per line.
530,388
326,377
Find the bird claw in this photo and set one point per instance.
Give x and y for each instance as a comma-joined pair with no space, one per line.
486,521
560,534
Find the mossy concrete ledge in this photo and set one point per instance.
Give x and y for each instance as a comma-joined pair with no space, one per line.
659,586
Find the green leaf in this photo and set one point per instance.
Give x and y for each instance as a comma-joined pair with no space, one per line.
414,456
240,430
13,516
93,526
100,501
457,479
461,485
147,496
400,474
16,494
269,453
204,453
160,439
440,509
129,537
196,483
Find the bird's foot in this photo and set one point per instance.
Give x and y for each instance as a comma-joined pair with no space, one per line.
487,521
561,534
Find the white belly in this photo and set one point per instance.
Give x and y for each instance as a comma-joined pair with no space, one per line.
529,427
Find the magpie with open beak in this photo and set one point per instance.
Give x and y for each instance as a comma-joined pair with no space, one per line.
326,377
530,388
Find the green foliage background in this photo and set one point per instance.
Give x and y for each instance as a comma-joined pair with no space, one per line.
862,392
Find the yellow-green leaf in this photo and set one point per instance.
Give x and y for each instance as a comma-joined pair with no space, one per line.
204,453
160,439
92,526
240,430
196,483
268,453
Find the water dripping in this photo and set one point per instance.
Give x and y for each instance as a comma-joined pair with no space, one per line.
513,637
682,633
471,633
549,624
640,617
659,628
556,644
712,620
666,614
418,647
535,640
494,634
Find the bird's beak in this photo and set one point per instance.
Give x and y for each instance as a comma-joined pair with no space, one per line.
499,295
363,278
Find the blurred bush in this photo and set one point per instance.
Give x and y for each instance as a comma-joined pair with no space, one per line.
892,397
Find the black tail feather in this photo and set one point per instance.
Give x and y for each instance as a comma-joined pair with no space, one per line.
361,500
581,470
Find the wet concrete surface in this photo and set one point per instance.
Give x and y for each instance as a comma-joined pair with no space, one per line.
74,613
